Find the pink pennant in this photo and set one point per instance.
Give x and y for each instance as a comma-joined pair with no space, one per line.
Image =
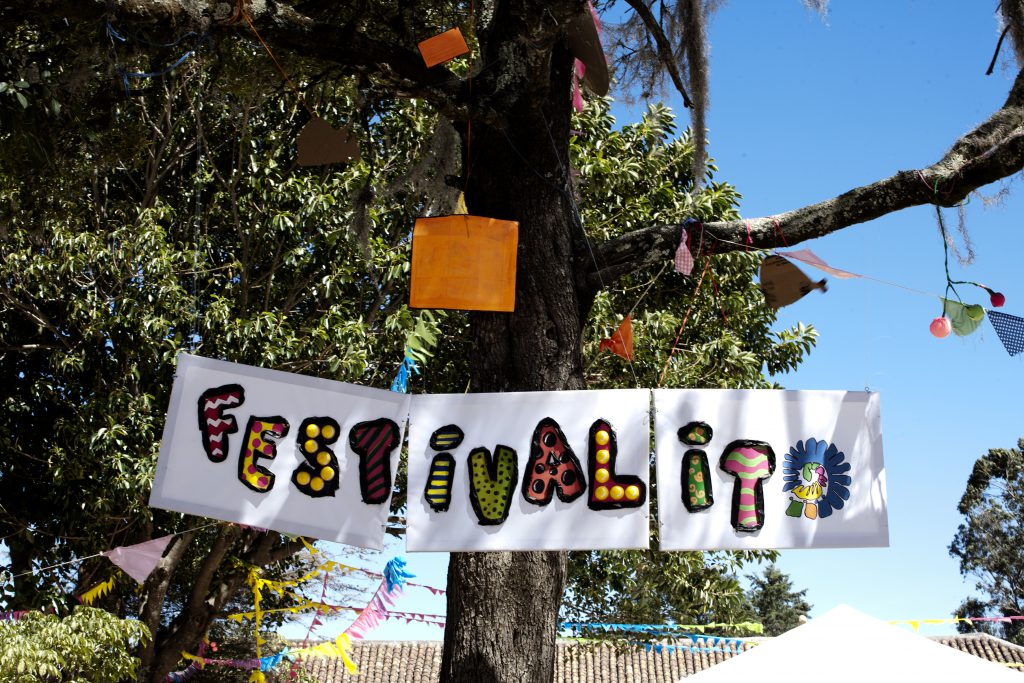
316,622
577,94
812,259
684,259
139,560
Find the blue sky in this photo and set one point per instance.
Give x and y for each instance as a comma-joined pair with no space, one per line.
802,110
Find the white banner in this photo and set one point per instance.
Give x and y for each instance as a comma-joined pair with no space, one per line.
270,449
769,469
529,471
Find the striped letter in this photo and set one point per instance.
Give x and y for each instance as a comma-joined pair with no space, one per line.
750,462
373,442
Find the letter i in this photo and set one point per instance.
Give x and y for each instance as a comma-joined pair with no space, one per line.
438,491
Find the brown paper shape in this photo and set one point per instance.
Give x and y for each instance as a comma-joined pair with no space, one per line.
585,44
621,341
321,144
443,47
465,263
783,283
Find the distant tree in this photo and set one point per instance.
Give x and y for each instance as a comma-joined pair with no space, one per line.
990,542
774,602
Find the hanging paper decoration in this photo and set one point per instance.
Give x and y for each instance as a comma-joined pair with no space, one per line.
940,327
401,381
464,263
783,283
684,259
621,342
521,481
188,481
443,47
830,492
963,319
321,144
139,560
810,258
585,43
390,588
1009,329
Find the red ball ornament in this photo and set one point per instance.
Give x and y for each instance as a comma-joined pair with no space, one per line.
997,299
941,327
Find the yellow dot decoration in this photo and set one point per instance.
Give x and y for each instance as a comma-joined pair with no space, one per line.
310,446
328,432
316,484
632,492
601,492
327,473
603,456
601,476
617,493
302,478
312,431
602,437
323,457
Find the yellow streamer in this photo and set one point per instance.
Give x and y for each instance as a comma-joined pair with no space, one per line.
97,591
310,548
460,205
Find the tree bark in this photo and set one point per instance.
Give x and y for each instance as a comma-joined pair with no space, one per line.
503,607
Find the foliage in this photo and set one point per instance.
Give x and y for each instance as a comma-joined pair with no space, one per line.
87,645
989,543
774,603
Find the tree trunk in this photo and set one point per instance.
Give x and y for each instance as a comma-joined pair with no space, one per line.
503,607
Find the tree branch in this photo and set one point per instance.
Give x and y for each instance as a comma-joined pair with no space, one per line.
668,60
398,68
992,151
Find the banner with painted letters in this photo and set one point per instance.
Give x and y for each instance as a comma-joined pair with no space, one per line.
552,470
281,451
563,470
769,469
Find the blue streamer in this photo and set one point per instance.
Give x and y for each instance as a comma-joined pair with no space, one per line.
395,575
268,663
401,381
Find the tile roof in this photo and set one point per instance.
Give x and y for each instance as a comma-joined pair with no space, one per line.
420,661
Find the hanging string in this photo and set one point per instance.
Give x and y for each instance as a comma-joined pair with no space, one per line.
469,86
675,344
90,557
284,74
778,231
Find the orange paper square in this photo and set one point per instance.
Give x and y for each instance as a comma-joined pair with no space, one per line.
443,48
465,263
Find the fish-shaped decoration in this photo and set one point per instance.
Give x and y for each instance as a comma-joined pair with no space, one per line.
783,283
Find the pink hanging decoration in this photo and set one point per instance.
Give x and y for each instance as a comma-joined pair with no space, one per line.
812,259
577,94
139,560
684,259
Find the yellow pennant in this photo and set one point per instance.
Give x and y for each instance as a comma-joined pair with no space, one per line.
96,592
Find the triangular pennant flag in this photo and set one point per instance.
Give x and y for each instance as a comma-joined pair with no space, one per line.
684,259
964,319
812,259
621,342
137,561
1010,330
783,283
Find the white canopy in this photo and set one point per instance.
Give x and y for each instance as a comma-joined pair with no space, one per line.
846,645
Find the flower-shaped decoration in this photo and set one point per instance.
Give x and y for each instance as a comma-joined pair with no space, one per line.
815,473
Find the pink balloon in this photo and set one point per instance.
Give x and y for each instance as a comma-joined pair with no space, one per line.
941,327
